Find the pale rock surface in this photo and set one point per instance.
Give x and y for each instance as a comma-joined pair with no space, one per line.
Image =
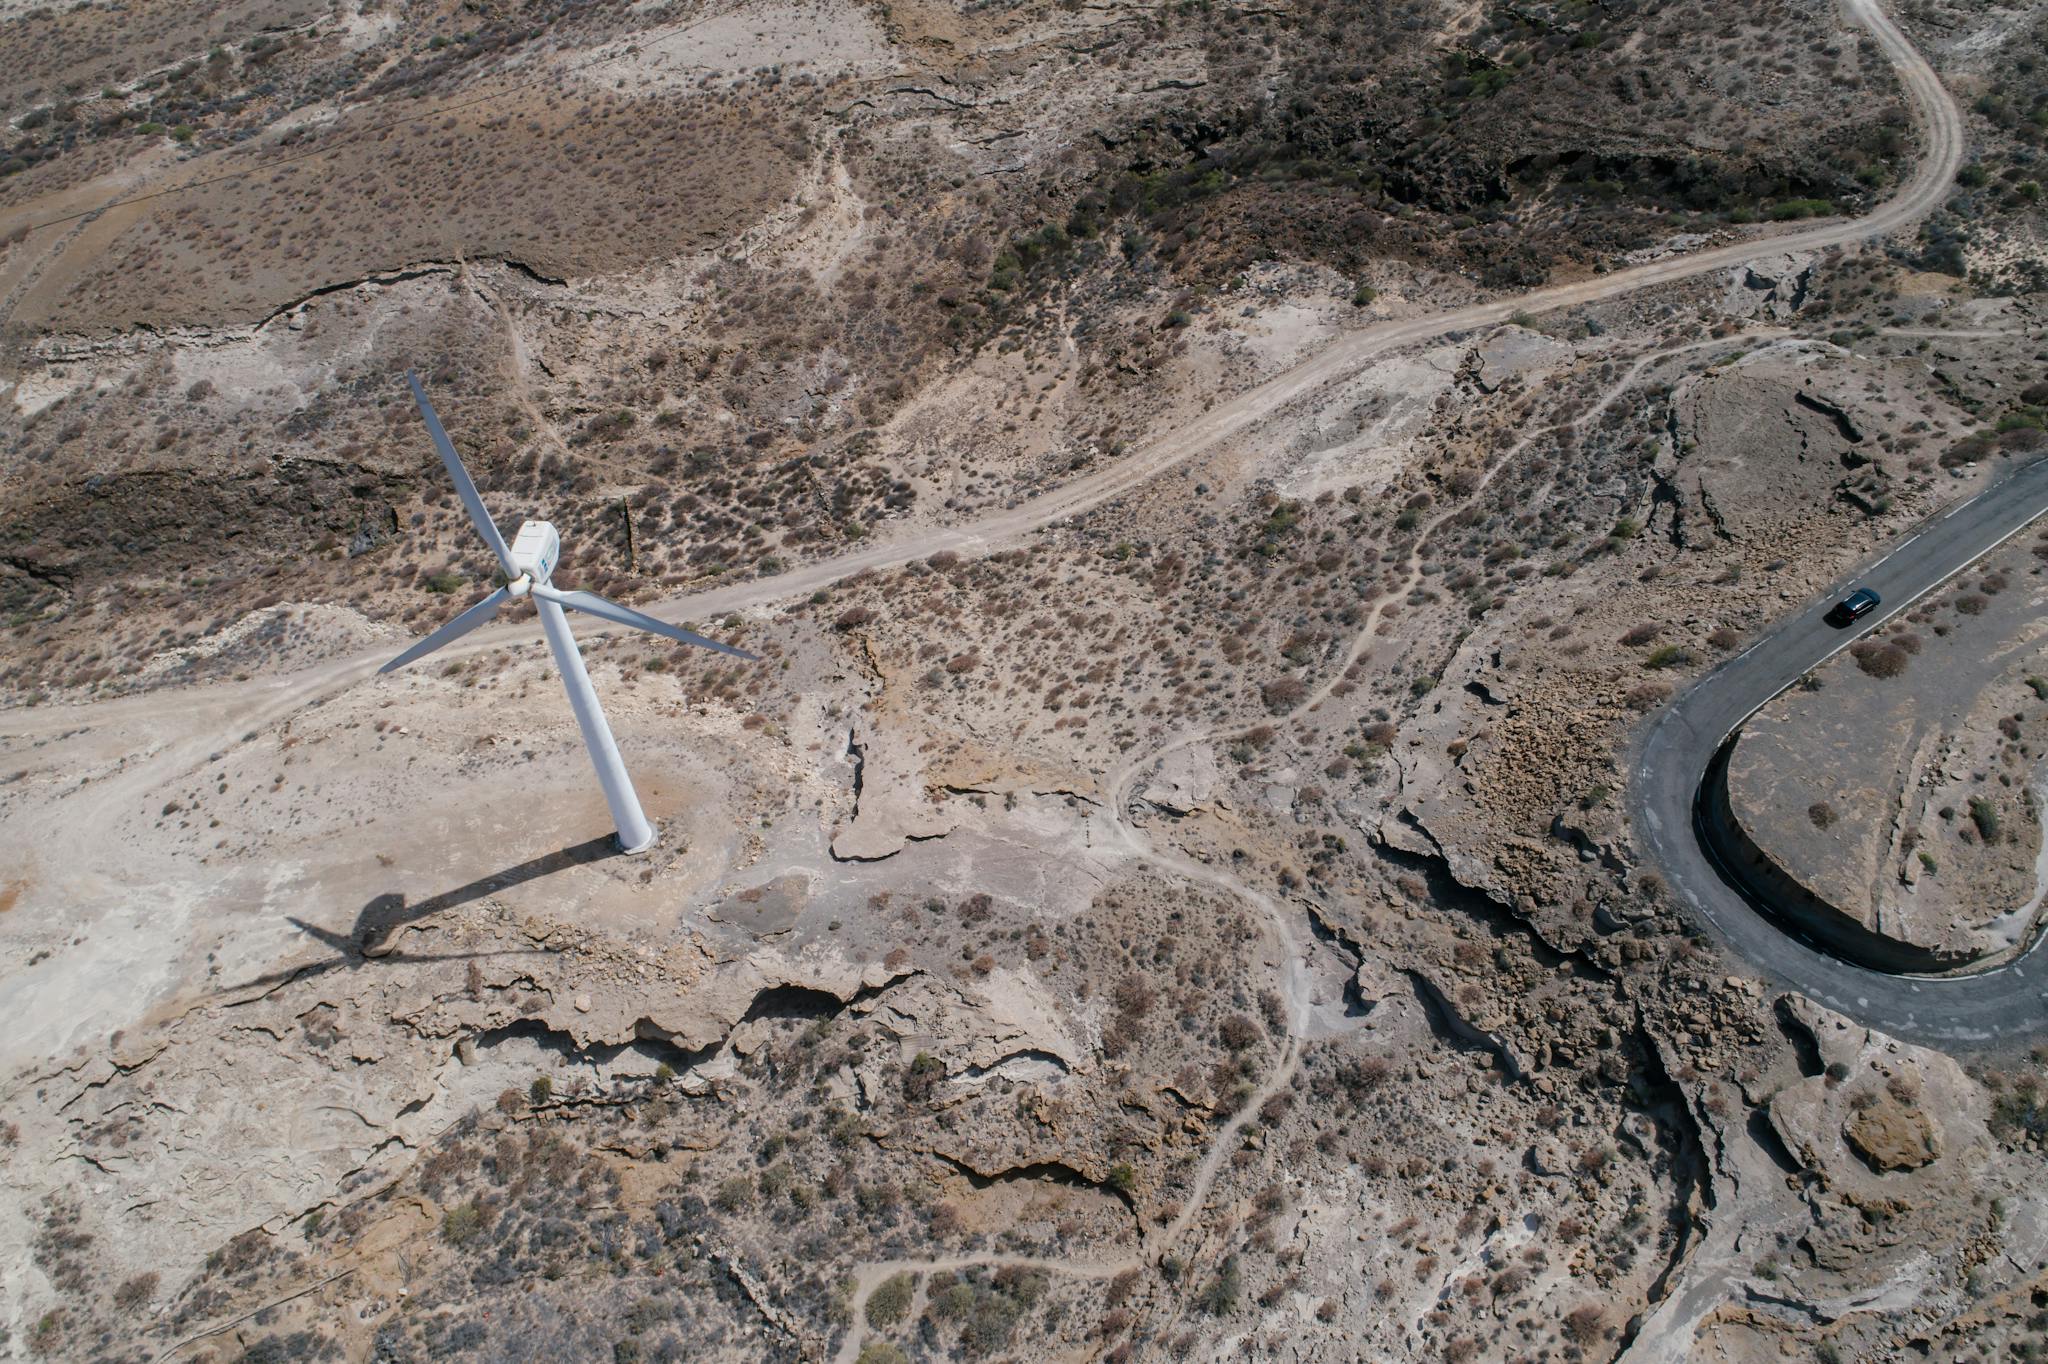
1771,286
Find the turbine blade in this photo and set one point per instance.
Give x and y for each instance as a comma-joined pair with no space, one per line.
591,604
484,525
454,629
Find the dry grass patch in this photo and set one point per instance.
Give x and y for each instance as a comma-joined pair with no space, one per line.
566,186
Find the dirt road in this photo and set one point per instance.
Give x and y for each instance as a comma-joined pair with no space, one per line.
208,718
1942,130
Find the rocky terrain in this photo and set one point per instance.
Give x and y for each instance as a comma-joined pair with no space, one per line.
1162,893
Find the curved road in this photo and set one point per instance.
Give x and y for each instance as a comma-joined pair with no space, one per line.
1676,749
1987,1007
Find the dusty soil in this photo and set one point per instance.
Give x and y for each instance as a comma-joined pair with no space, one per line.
1161,894
577,186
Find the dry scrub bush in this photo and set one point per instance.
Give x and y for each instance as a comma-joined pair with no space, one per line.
1880,660
1646,695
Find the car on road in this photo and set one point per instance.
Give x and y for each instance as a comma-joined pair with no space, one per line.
1853,607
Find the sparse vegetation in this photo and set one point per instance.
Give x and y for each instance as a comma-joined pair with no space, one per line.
896,314
1984,815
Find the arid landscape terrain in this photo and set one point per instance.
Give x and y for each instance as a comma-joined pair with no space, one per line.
1233,504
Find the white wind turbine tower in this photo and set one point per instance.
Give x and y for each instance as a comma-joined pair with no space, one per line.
527,564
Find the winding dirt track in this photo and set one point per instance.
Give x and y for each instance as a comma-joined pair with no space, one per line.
1942,132
1279,923
206,716
1943,125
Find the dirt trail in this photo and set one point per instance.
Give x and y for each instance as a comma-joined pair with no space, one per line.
1925,190
239,708
1294,981
1152,1248
1119,785
1941,123
869,1276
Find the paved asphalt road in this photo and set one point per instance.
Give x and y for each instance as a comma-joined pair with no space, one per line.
1955,1011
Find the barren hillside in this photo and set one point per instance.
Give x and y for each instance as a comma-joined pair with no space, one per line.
1216,492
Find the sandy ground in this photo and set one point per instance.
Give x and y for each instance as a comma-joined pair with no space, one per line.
175,845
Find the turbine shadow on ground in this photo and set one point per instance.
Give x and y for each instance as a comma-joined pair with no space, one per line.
386,914
369,939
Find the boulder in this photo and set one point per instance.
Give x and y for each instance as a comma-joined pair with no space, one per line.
1890,1136
1772,286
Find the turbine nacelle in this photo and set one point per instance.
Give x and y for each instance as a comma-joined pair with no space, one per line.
528,564
535,552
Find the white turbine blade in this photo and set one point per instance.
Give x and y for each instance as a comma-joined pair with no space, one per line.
591,604
477,513
454,629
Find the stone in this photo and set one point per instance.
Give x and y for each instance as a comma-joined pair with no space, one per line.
1513,351
1889,1136
1772,286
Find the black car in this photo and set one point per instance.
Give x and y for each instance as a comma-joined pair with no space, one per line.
1854,607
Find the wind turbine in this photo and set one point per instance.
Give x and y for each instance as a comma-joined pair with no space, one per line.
528,563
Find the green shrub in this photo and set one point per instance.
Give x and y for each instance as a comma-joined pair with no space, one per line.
890,1300
1220,1298
923,1077
2020,1111
462,1223
881,1352
1787,209
733,1194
